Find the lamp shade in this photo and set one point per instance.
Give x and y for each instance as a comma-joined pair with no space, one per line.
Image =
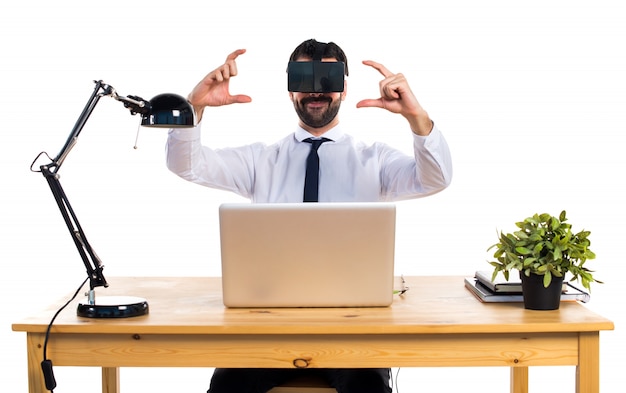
169,111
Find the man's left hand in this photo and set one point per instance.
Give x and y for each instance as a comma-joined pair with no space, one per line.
396,96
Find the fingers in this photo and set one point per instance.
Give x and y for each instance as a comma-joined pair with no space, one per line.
226,70
213,89
392,86
395,93
389,87
379,67
230,67
235,54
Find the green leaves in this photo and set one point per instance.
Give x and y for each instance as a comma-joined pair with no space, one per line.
544,245
523,251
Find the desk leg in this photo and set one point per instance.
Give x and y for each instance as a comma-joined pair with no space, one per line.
34,344
519,379
110,380
588,369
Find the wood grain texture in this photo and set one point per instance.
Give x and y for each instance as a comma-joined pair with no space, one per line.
438,323
193,305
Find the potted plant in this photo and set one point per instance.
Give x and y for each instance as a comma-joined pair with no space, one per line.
544,249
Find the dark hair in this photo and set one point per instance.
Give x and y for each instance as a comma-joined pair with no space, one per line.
311,48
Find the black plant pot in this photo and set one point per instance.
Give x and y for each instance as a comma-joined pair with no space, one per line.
538,297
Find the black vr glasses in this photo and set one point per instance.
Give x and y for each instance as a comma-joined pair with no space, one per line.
315,76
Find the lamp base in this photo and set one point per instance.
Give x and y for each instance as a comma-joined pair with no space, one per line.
114,307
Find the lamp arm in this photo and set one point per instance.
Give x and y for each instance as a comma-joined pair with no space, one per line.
134,103
80,123
92,262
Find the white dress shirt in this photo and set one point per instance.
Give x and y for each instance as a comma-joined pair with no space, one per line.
350,171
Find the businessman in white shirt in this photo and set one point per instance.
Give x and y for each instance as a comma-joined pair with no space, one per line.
349,170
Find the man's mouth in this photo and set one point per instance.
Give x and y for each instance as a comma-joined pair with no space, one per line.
317,105
316,102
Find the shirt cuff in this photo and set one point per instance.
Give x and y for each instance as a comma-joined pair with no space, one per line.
428,140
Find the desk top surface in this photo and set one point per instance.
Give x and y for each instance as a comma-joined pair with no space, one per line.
433,305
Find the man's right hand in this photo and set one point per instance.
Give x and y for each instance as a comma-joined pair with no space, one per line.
213,89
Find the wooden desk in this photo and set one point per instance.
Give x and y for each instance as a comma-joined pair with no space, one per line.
437,323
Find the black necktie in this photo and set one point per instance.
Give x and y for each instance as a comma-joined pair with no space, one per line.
312,170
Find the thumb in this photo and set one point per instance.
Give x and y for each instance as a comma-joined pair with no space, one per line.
370,103
240,99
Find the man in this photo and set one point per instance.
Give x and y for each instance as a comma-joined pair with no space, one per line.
349,171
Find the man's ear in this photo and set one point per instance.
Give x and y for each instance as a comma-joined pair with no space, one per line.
291,96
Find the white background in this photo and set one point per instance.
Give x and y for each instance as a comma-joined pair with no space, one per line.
530,95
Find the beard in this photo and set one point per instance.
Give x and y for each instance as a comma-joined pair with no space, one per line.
317,118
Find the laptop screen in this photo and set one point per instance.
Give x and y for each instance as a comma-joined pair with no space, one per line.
307,254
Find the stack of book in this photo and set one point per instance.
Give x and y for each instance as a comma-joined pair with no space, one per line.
501,290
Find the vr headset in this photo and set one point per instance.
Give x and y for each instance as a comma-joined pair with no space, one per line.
315,76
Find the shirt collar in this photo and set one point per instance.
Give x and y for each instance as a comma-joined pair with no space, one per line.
333,134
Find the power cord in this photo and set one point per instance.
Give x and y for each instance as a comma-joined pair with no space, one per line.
46,364
395,382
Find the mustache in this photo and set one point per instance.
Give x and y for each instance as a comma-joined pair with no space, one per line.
307,100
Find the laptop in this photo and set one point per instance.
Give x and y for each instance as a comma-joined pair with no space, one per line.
307,254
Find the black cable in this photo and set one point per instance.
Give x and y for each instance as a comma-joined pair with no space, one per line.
46,364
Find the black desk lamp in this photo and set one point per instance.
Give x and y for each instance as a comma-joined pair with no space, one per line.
164,110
